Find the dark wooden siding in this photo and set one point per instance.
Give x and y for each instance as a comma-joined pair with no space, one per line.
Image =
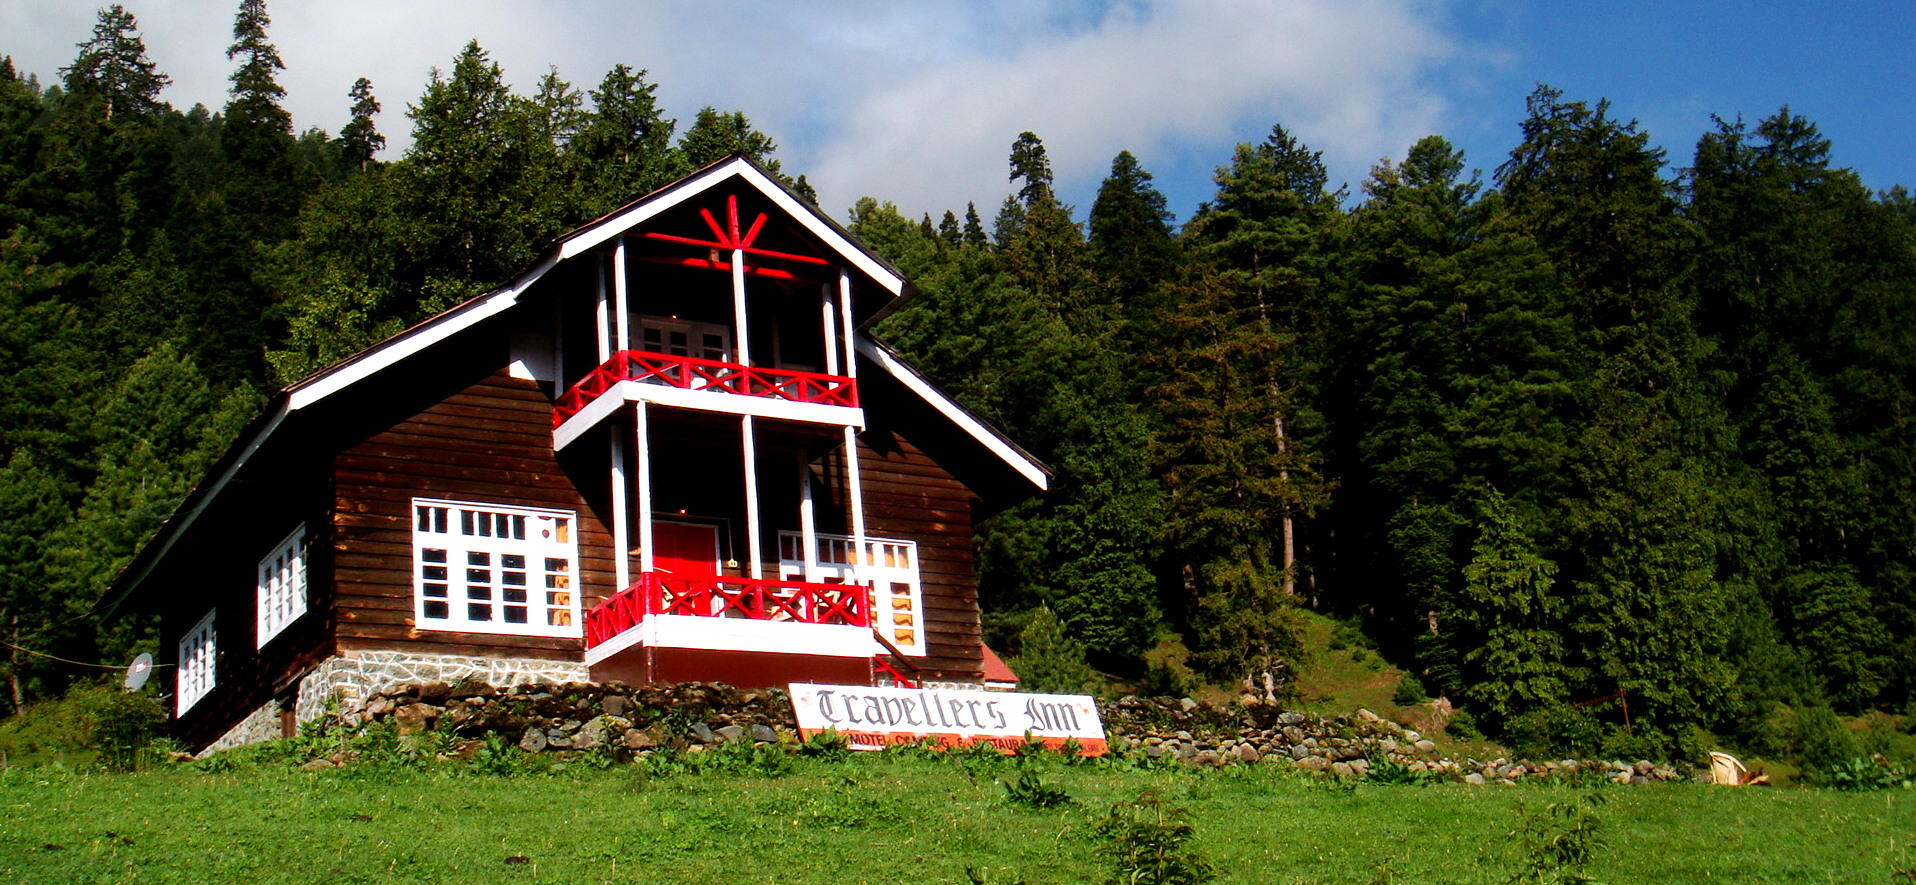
907,495
489,443
216,568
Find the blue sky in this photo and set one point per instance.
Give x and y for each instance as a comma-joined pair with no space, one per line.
918,102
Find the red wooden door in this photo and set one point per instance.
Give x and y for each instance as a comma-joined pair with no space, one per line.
685,550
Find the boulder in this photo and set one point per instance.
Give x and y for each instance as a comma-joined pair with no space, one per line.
414,718
533,741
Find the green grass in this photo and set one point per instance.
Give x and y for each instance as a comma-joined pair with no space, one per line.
884,819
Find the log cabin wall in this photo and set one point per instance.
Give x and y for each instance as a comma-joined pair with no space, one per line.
490,443
206,574
908,495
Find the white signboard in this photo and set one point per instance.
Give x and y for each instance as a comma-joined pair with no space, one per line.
872,718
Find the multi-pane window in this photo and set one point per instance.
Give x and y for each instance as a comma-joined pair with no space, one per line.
282,586
483,568
198,663
676,337
890,570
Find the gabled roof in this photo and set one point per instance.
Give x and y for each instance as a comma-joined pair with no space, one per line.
370,362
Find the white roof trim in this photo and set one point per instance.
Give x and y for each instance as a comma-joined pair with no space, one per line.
918,385
419,338
616,225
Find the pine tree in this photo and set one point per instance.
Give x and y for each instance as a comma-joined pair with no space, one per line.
1640,526
625,150
1132,248
359,139
715,135
113,70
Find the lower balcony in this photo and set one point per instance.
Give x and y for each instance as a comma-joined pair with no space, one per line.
745,631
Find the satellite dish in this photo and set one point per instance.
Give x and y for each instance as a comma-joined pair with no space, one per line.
137,671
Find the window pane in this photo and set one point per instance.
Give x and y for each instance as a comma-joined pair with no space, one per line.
478,612
515,614
436,610
431,555
476,557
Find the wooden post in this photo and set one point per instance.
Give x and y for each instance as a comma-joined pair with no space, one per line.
641,432
620,298
751,497
621,569
807,519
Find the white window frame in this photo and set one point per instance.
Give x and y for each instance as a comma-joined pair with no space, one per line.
282,587
465,579
199,664
890,570
695,334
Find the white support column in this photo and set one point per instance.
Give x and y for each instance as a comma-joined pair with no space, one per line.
751,497
602,313
641,432
620,299
845,316
855,502
828,321
743,357
621,526
807,519
855,499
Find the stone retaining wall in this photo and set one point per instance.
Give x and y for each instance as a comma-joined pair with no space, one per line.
636,720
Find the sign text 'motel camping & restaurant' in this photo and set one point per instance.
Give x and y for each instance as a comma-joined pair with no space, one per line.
872,718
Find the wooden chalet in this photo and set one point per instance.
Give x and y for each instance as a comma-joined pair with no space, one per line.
668,451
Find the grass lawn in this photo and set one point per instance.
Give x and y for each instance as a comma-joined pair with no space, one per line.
886,819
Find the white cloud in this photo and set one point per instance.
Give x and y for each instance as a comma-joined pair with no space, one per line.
1344,75
912,102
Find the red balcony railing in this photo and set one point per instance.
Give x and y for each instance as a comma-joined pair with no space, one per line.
693,373
655,593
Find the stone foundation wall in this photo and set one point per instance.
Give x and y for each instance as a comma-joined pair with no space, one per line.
354,678
260,725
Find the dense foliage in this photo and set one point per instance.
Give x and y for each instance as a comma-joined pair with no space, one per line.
1596,439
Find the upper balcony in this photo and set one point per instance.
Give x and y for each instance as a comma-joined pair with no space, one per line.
707,385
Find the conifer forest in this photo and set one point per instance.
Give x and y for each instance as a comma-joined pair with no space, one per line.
1599,423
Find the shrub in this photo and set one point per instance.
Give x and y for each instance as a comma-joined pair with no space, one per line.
1559,844
1031,791
1822,742
1149,844
1410,691
93,723
1555,732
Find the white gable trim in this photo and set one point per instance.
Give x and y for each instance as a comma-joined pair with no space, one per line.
978,431
420,337
617,224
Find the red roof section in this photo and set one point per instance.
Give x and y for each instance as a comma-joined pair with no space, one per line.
995,669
